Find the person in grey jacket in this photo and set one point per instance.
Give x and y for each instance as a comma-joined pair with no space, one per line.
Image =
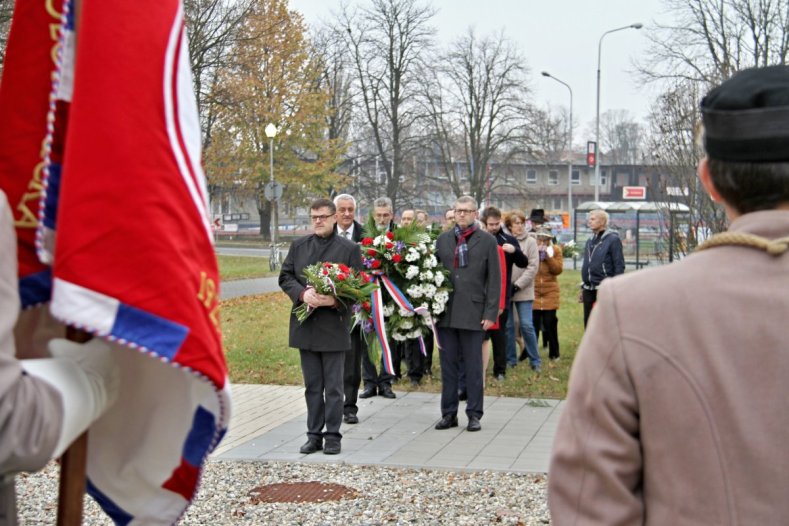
45,403
325,336
471,255
603,259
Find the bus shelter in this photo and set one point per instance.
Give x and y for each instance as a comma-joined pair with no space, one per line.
651,232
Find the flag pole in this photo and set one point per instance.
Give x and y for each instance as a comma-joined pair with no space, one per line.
73,463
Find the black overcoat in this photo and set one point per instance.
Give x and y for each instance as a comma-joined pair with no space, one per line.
328,328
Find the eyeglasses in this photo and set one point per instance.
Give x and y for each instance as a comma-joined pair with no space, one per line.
321,218
462,211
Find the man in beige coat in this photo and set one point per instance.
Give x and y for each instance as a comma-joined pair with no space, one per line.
677,406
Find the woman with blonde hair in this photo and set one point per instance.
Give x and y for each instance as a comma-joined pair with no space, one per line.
523,294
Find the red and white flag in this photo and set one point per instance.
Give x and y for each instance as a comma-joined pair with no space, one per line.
26,97
133,260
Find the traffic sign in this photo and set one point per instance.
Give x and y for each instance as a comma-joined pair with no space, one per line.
273,191
634,192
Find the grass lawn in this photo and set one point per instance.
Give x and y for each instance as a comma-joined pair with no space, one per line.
243,267
256,342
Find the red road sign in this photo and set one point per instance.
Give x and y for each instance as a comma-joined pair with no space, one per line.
634,192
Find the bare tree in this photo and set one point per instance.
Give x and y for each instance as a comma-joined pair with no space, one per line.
709,40
443,133
477,108
213,31
706,43
675,141
622,137
336,78
386,42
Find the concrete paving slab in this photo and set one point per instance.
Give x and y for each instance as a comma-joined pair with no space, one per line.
269,423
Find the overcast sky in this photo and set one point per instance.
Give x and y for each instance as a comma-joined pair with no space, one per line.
558,36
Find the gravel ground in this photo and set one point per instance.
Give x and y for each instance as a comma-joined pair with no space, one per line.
387,496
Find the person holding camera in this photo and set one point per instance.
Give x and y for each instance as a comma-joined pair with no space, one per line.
546,290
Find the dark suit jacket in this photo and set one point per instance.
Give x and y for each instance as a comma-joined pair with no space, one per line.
357,231
477,287
327,329
516,258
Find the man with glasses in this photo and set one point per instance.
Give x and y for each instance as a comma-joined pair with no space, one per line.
491,220
375,382
349,228
323,339
472,257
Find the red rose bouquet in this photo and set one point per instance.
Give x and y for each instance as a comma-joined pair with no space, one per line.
338,280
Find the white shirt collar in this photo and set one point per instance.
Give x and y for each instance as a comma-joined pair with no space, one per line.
350,230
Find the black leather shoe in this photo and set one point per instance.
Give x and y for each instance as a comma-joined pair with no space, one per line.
473,424
311,446
351,419
462,395
332,447
369,392
447,421
386,392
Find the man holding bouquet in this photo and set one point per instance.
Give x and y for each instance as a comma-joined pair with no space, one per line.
323,337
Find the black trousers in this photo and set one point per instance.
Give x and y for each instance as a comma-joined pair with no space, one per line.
454,344
352,376
589,297
412,353
429,346
549,323
370,374
323,378
498,343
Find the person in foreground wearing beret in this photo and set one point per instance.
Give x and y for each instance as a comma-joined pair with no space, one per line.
676,411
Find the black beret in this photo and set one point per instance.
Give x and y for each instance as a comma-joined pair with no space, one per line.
746,118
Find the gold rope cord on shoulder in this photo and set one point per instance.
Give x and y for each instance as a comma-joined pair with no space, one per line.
774,247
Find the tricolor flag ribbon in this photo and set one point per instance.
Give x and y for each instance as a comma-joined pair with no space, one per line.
376,300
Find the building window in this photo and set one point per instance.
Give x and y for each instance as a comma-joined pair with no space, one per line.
531,176
576,177
603,178
557,203
553,177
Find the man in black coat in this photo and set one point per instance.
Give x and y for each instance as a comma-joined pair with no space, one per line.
472,258
349,228
513,255
324,337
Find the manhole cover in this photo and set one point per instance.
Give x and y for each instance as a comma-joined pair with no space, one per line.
301,492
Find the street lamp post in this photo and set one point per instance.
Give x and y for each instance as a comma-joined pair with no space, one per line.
569,147
637,25
271,132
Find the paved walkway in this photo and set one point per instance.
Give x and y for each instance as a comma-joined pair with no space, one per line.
269,423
